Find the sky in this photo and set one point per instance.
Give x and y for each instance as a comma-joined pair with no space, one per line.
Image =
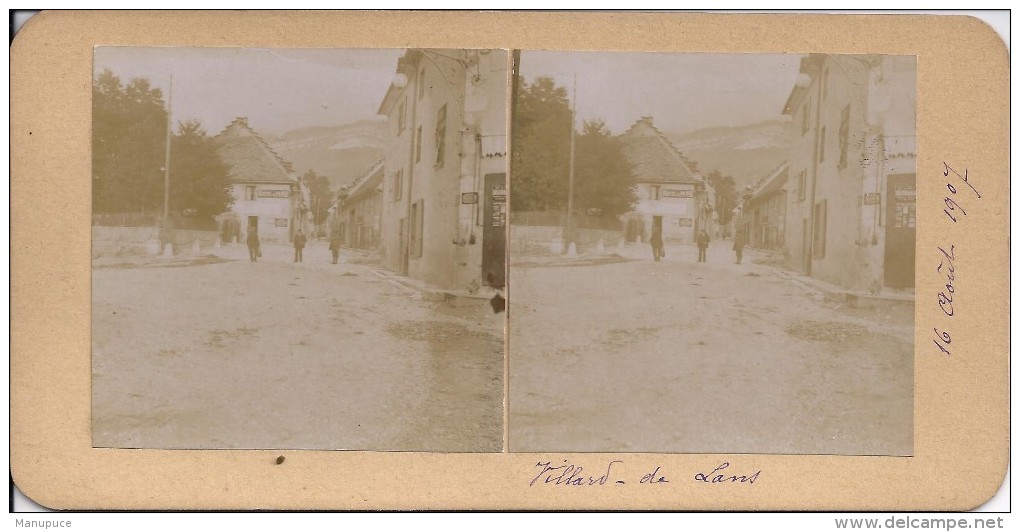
682,92
277,89
283,89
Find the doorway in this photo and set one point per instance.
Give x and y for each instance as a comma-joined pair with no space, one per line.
900,230
494,232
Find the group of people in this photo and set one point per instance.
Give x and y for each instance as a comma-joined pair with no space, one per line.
299,241
702,240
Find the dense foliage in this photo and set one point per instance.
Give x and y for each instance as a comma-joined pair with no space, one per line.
603,181
129,129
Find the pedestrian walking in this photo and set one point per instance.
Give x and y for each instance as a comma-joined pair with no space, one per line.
299,245
254,245
656,241
738,245
334,245
702,245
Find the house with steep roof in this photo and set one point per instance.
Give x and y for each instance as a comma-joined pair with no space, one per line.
671,193
267,195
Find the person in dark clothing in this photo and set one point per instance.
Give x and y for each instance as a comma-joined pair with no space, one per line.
334,245
656,242
253,244
738,245
702,245
299,245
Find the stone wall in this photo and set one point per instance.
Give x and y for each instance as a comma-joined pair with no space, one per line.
548,240
142,241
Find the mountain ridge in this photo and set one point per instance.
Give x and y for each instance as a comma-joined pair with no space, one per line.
746,152
342,153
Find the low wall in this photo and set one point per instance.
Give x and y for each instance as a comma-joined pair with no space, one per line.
142,241
548,240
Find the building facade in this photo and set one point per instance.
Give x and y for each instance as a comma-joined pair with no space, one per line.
851,208
444,187
357,214
763,212
267,196
671,195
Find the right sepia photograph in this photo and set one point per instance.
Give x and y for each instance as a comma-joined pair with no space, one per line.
712,253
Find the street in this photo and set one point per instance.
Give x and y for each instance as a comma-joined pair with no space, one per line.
217,352
680,356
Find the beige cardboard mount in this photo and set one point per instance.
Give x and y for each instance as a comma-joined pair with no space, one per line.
961,437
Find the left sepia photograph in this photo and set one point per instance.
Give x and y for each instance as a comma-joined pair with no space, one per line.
299,248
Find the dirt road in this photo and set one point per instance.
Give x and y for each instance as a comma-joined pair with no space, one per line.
223,353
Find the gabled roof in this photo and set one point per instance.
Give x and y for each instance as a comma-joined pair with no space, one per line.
367,183
771,183
653,157
810,65
249,156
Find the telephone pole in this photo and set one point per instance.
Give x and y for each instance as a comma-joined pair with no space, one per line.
569,236
166,162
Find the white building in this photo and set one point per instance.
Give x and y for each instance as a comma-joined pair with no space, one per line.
671,195
267,195
851,207
444,190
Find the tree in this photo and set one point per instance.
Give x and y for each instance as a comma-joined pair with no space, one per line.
199,179
541,147
725,195
128,145
321,197
603,180
129,134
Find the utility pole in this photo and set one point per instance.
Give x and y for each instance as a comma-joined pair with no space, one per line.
166,162
569,236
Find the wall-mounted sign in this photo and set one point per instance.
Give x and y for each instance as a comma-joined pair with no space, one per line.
677,193
872,198
498,215
274,193
469,198
499,193
686,222
280,222
905,193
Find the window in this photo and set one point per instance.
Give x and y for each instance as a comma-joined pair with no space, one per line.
440,136
653,192
401,116
398,185
249,192
417,145
844,135
421,84
825,83
801,184
818,242
805,116
821,146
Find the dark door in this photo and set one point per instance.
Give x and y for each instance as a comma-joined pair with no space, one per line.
494,231
900,230
403,246
805,247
